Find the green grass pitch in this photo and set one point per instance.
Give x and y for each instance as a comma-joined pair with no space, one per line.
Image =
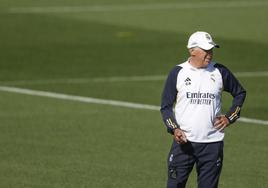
54,143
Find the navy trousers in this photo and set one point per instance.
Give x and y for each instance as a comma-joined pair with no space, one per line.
208,158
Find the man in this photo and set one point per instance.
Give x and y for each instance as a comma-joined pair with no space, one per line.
191,111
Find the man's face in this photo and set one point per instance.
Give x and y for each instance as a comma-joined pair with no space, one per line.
204,57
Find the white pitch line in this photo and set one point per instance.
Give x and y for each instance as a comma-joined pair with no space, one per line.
251,74
255,121
136,7
115,79
102,101
77,98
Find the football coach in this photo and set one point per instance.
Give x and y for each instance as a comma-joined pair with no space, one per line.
191,111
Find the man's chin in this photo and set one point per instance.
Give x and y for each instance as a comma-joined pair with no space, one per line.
206,63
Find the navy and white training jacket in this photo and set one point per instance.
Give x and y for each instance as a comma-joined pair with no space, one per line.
191,100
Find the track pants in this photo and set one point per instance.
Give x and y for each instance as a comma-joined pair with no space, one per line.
208,158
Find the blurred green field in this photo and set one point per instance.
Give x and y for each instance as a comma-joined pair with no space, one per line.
49,142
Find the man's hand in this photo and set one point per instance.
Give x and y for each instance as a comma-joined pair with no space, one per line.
179,136
221,122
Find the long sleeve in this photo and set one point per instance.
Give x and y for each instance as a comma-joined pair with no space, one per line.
169,96
232,85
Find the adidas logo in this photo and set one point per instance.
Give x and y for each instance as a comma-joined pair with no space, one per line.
187,81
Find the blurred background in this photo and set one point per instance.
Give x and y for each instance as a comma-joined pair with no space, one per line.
120,50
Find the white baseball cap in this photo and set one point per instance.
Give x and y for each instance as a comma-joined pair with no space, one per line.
202,40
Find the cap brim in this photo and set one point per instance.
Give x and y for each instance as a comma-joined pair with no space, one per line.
206,46
209,46
215,45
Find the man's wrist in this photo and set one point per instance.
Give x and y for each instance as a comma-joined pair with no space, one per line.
177,128
230,122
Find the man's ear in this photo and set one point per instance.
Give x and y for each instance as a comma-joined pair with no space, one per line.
192,51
